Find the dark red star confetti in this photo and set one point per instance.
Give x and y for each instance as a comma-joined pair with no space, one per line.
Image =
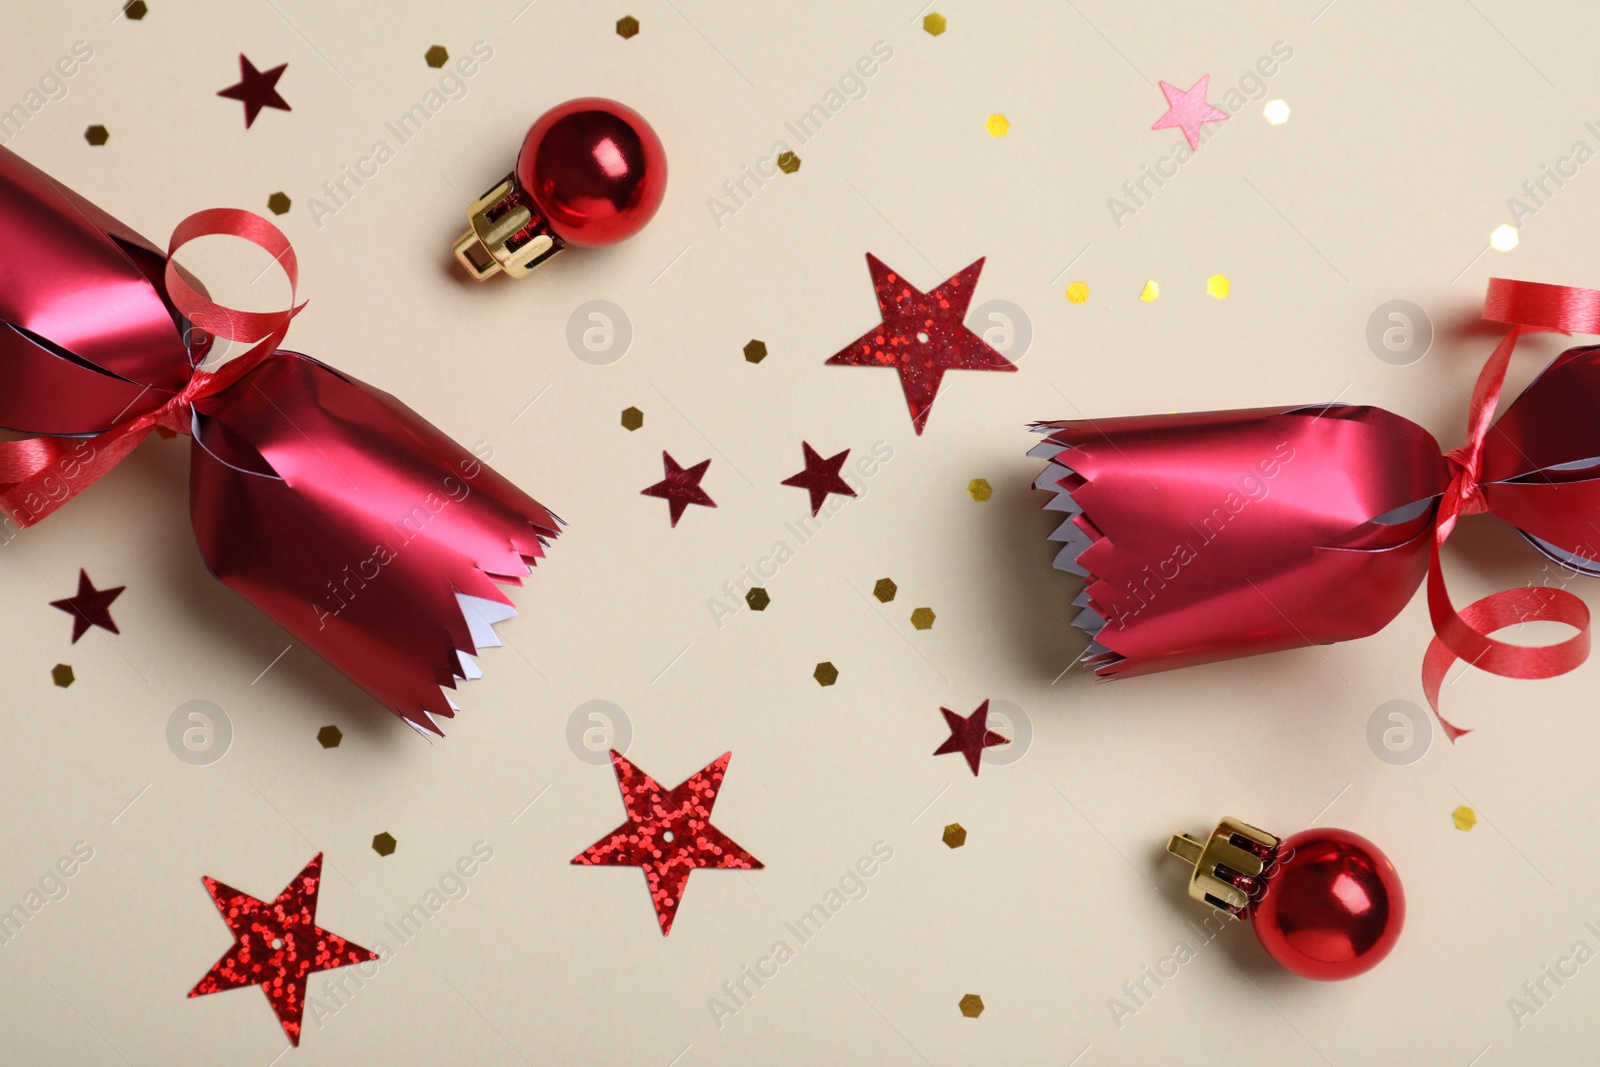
681,487
922,336
970,735
277,946
256,89
669,834
91,607
821,476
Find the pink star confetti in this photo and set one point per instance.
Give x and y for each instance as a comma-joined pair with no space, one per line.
1187,110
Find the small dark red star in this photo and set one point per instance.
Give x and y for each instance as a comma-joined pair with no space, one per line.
257,89
277,946
669,834
91,607
681,487
922,336
821,476
970,736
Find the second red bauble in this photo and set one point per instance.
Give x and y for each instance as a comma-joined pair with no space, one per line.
1333,906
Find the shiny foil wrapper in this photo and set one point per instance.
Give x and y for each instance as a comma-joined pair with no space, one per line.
345,516
1210,536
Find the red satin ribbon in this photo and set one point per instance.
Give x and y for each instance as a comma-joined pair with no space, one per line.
1466,634
40,474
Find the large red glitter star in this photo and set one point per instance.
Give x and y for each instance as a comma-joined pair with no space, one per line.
921,336
821,476
669,834
257,89
1187,110
681,487
970,735
91,607
277,946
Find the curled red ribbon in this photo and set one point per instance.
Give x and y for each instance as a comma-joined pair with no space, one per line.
1467,634
30,488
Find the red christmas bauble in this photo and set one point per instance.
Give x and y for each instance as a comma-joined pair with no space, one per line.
1333,905
595,169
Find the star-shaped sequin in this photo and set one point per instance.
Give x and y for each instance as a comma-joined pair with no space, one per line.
669,834
681,487
256,89
1187,110
277,946
821,476
922,336
91,607
970,735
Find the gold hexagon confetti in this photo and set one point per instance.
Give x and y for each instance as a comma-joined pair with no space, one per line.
922,618
279,203
97,135
1078,293
330,736
755,351
934,23
788,162
1218,286
1276,112
1464,818
62,675
632,419
884,590
972,1005
1150,293
826,673
436,56
979,490
627,26
1502,238
135,10
955,835
757,598
383,844
997,125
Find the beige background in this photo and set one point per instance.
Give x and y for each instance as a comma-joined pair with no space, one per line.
1411,126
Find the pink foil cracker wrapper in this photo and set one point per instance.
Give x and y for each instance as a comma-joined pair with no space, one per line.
342,514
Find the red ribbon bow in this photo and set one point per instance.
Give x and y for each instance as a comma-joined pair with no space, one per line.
30,488
1467,634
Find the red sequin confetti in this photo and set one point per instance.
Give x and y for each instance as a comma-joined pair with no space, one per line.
1187,110
681,487
277,946
256,89
821,476
669,834
91,607
970,735
922,336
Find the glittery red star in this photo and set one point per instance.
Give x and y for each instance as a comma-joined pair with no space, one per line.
921,336
681,487
970,735
257,89
91,607
276,946
669,834
821,476
1187,110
